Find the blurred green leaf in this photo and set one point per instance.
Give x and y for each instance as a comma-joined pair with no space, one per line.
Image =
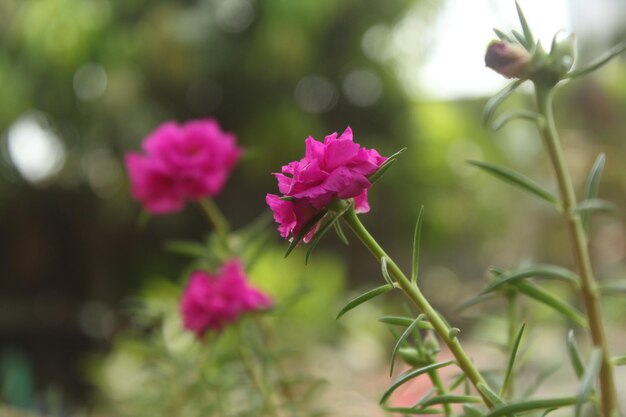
334,218
488,393
598,62
382,169
517,179
552,272
531,405
528,35
619,360
589,379
416,245
402,339
574,355
451,399
405,322
412,374
305,230
502,121
592,186
413,411
545,297
508,374
496,100
365,297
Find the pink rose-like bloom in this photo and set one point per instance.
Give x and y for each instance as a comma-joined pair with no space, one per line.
336,168
213,301
188,161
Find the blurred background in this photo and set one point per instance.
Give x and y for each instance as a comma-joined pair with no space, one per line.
84,81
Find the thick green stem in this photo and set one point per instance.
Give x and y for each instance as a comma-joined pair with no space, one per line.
218,221
215,216
415,295
588,288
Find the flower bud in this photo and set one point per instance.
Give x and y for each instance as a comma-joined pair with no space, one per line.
508,59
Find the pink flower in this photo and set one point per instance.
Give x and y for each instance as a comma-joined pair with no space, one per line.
212,301
336,168
188,161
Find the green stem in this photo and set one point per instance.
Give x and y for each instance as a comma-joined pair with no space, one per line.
441,390
415,295
256,378
217,220
215,216
588,289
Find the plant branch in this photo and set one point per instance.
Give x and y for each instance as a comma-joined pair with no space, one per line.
588,289
415,295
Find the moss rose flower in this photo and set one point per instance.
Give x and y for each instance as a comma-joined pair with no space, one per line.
336,168
213,301
188,161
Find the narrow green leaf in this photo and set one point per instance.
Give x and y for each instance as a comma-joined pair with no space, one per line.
502,36
469,411
574,355
515,178
546,271
501,121
340,233
365,297
382,169
528,35
413,411
287,198
476,300
497,99
613,288
402,339
520,38
592,186
598,62
412,374
323,230
405,322
416,245
509,366
384,270
548,411
495,399
589,379
532,405
619,360
305,230
451,399
586,207
539,294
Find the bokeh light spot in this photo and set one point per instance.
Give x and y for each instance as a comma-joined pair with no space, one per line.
90,81
35,150
362,87
316,94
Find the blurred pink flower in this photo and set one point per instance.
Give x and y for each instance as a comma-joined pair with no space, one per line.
188,161
336,168
213,301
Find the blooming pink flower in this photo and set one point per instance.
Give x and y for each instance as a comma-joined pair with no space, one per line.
336,168
188,161
212,301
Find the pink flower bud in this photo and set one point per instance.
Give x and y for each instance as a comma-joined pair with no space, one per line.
508,59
